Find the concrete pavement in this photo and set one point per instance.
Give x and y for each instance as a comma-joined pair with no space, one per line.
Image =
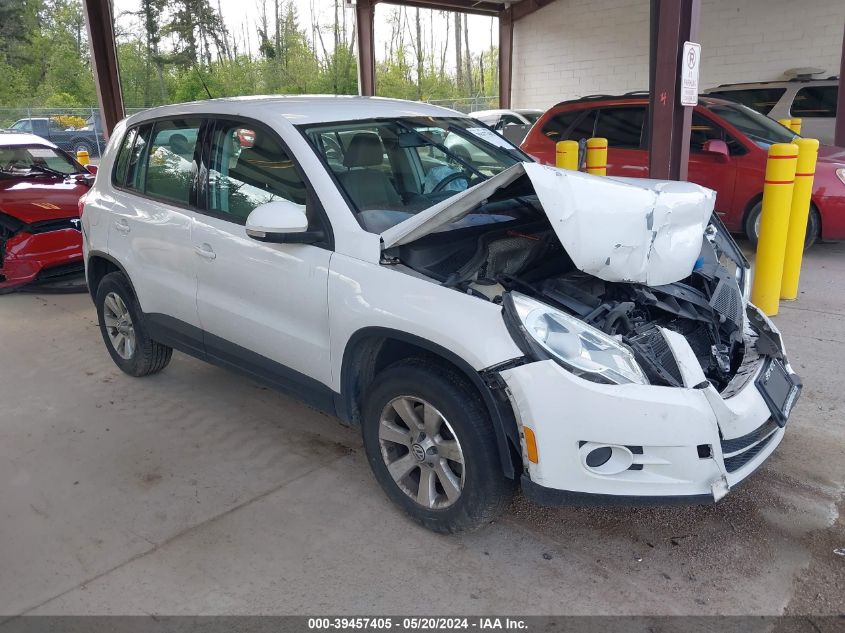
197,491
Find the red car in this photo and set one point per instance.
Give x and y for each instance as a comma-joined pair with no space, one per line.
728,148
40,235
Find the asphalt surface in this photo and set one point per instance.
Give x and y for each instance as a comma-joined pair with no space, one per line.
197,491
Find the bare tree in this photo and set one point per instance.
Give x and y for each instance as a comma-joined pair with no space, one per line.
459,62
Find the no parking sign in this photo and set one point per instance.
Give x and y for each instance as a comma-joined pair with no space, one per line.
690,62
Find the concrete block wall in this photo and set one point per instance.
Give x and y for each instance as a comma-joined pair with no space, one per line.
573,48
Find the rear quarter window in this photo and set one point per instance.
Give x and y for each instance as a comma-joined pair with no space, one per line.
815,102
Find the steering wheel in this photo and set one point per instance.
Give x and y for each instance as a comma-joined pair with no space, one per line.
458,175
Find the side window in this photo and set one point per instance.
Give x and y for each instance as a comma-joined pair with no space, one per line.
558,125
119,173
585,128
248,167
170,164
814,102
703,130
622,127
760,99
136,160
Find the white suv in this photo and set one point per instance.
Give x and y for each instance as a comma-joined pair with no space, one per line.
484,320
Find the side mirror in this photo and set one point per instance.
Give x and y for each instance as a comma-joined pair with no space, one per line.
717,147
281,222
91,169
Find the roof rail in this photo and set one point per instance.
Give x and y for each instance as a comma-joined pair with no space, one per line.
637,93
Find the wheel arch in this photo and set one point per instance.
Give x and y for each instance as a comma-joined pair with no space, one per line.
371,349
99,265
814,206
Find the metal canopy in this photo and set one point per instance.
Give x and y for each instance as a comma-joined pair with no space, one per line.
672,22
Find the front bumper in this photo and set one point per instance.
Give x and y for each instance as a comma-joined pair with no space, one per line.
27,256
688,444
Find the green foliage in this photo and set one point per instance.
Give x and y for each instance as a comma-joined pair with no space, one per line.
180,50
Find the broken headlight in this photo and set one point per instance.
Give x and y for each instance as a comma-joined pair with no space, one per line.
578,347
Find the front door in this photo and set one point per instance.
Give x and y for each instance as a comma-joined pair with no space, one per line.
714,171
263,307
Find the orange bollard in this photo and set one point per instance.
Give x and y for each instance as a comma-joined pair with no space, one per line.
597,156
566,155
795,125
771,244
808,150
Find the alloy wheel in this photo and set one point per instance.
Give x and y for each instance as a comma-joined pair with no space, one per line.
421,452
119,325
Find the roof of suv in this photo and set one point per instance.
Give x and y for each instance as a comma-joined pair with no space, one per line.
303,109
640,96
780,83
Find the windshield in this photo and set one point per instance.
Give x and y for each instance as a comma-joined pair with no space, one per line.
531,116
18,160
392,169
759,128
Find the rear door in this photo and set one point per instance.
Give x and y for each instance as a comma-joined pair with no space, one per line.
263,307
151,214
622,126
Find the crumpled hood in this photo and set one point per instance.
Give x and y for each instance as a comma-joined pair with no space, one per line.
617,229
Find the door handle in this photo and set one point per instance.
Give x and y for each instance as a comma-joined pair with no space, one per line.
122,225
205,251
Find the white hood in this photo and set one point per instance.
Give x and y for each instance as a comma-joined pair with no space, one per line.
618,229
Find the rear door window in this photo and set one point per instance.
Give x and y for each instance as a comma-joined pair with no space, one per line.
815,102
622,127
760,99
170,165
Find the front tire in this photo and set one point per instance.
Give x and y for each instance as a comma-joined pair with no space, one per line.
752,225
124,329
432,448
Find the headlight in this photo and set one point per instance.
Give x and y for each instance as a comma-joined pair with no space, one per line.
580,348
840,173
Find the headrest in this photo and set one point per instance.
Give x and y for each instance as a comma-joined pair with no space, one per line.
365,150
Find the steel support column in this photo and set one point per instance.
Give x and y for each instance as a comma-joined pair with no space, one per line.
98,18
672,23
364,14
839,134
505,57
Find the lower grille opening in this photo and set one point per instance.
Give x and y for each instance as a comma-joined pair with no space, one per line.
741,450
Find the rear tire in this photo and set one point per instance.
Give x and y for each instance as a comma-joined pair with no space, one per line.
449,479
124,329
752,225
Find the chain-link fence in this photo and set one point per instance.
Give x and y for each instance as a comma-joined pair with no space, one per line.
469,104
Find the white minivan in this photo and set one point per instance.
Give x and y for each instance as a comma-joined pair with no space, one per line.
486,321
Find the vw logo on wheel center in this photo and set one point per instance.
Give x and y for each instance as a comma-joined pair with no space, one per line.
419,452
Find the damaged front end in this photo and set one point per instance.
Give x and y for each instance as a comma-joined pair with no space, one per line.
631,259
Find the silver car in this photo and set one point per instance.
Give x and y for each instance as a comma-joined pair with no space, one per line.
812,100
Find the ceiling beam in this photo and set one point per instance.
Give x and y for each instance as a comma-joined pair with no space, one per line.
524,8
481,7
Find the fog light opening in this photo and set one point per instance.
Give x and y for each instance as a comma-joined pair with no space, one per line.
705,451
605,459
599,456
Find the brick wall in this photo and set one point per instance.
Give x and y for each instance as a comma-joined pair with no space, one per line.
572,48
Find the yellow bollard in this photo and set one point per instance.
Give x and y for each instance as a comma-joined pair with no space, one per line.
795,125
771,244
787,123
808,150
82,157
566,154
597,156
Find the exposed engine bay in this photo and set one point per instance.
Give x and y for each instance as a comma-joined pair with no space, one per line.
707,307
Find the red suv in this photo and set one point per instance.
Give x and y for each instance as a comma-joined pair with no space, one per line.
728,146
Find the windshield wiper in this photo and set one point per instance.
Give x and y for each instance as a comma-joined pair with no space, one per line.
48,170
